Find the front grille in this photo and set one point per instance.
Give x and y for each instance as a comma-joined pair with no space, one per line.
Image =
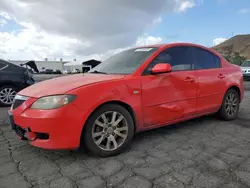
17,102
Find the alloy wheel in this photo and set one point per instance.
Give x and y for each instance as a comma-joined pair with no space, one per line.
7,96
231,104
110,130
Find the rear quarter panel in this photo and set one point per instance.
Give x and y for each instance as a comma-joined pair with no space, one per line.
234,77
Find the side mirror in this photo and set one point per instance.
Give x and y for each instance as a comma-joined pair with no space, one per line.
161,68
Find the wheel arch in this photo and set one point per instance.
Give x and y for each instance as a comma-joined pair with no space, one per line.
236,88
123,104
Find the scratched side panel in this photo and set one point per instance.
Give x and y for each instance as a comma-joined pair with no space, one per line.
167,97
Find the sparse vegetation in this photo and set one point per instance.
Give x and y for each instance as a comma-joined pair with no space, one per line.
235,49
235,58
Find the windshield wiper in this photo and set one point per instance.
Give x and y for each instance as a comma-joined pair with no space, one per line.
98,72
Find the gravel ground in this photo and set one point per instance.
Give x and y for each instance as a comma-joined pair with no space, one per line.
204,152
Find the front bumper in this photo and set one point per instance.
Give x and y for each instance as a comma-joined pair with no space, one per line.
246,76
50,129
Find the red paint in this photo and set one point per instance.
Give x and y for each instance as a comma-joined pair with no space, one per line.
161,68
31,136
162,99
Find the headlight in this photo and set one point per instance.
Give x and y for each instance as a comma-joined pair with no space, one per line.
52,102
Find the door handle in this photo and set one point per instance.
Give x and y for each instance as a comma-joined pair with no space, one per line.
221,76
188,79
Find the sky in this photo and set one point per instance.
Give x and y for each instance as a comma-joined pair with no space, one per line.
83,29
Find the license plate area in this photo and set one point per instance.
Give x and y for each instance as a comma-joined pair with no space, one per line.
19,130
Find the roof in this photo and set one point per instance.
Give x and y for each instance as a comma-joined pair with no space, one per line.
4,60
170,44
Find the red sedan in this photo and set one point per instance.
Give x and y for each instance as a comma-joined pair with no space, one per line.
135,90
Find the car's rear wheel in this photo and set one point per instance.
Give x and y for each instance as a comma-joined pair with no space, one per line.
108,131
230,107
7,95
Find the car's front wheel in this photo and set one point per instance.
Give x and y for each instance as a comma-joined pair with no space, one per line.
230,107
108,131
7,95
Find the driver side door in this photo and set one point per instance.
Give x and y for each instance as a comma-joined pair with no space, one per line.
170,96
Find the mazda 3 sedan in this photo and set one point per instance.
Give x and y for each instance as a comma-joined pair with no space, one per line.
138,89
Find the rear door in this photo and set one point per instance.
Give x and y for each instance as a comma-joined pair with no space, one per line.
170,96
211,80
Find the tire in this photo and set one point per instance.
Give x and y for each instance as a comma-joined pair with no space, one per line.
223,113
125,126
11,90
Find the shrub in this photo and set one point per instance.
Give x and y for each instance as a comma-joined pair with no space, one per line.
235,58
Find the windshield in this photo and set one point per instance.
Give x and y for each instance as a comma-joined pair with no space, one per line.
245,64
125,62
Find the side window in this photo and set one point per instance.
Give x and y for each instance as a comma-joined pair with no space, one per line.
2,64
179,57
206,59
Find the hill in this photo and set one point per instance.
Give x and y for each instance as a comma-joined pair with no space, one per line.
238,43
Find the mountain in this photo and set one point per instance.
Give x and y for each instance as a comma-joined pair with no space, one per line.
238,43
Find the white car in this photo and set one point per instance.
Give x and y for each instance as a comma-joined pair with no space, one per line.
66,72
75,71
245,67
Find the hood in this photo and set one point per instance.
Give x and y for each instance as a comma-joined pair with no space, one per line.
32,65
245,68
64,84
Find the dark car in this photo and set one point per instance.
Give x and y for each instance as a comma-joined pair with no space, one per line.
13,78
31,66
57,71
48,71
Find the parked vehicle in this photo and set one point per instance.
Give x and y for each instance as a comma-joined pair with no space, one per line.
13,78
57,71
66,72
30,66
48,71
138,89
245,67
76,71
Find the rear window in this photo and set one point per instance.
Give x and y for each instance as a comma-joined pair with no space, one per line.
205,59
